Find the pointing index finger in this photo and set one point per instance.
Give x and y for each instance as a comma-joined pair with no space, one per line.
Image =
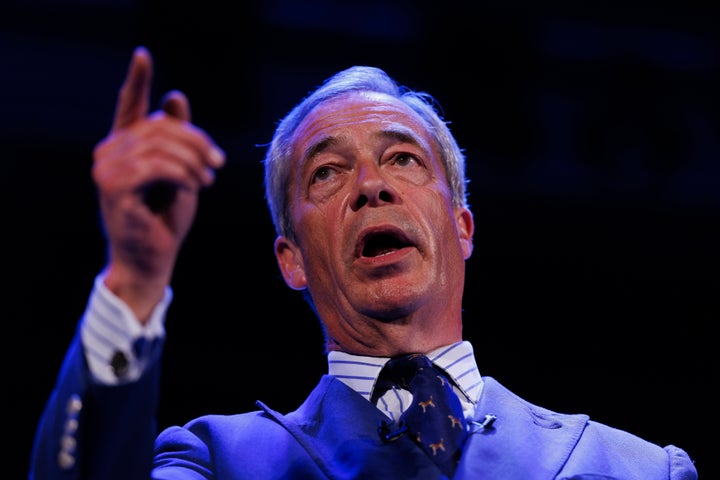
134,96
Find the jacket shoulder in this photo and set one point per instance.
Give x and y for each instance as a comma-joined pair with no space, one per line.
591,447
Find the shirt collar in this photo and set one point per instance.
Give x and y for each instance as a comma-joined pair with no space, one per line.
360,372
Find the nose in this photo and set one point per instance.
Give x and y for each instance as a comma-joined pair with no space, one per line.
372,188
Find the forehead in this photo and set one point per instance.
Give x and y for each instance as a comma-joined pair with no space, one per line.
370,112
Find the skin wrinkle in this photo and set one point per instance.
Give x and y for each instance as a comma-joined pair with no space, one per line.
393,302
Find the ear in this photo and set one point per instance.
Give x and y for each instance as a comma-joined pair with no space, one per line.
290,262
466,228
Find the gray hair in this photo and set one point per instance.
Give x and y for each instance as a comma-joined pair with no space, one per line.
278,163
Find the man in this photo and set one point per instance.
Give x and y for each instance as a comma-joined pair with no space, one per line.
366,189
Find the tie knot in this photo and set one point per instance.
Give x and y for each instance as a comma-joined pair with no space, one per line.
400,372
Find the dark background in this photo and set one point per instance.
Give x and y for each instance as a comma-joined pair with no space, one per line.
592,137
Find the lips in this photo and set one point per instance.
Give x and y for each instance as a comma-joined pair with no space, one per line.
381,241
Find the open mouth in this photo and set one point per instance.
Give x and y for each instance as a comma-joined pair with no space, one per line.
379,243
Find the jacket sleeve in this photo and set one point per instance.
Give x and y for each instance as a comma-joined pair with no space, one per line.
93,431
681,466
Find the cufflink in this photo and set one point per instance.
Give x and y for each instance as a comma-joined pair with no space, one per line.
119,364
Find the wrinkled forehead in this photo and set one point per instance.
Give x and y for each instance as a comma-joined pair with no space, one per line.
370,111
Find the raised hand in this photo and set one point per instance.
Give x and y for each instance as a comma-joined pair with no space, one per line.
149,171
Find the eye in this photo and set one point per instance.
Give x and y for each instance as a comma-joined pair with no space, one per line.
322,174
404,160
409,166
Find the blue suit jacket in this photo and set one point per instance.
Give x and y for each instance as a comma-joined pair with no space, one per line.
332,435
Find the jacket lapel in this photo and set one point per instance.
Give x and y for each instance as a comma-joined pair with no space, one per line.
339,430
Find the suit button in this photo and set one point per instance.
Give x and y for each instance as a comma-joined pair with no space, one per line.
65,460
68,442
74,405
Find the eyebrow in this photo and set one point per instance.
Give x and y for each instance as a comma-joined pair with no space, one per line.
323,145
401,134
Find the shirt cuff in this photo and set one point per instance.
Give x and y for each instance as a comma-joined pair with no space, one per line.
118,348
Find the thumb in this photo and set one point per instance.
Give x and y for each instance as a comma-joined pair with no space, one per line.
134,96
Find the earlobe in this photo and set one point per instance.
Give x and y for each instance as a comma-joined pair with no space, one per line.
290,262
466,228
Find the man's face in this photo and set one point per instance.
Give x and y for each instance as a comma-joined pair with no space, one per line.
379,245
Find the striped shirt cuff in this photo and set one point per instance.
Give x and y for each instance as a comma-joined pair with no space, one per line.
118,348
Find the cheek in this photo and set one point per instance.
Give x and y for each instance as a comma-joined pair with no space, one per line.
437,206
310,221
440,218
317,234
320,218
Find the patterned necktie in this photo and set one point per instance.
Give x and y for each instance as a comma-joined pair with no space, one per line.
434,419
